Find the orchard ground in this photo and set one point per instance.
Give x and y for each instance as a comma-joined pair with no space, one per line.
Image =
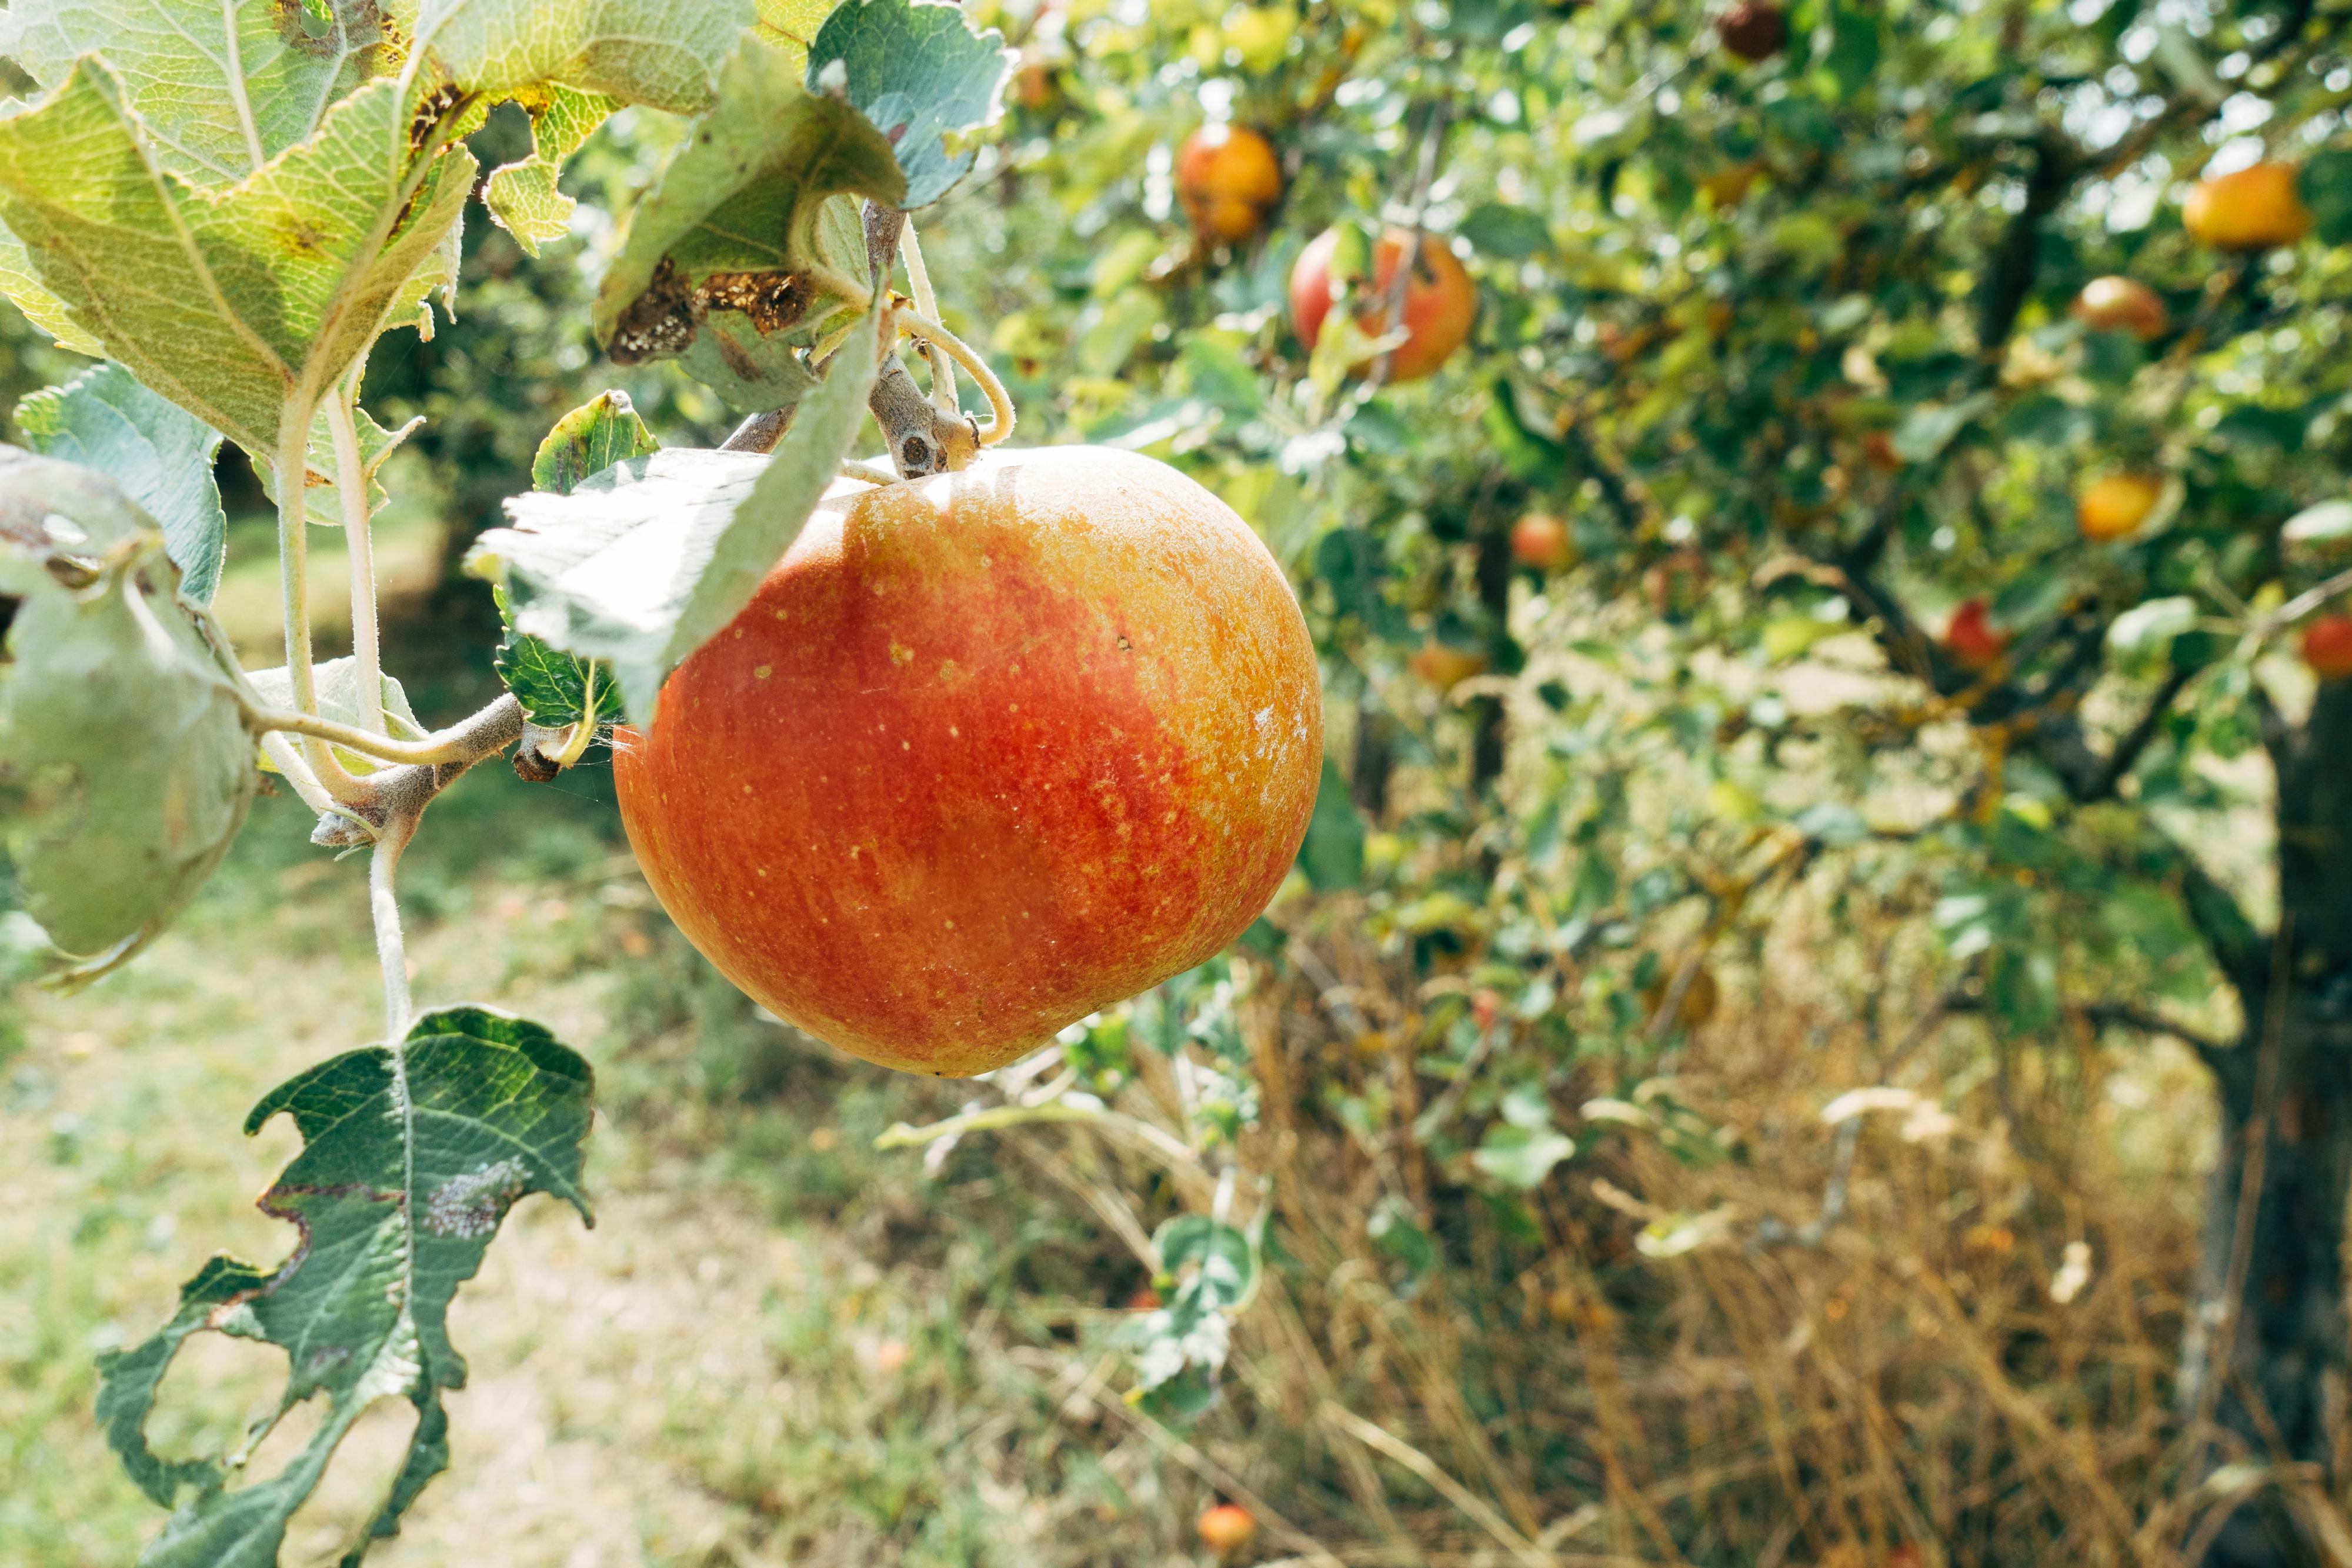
780,1346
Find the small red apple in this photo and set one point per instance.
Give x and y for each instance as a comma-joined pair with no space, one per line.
1227,177
1973,641
1753,30
1440,300
2115,506
2252,209
986,753
1226,1528
2328,647
1541,541
2114,304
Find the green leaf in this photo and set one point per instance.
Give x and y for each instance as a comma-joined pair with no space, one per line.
410,1161
921,74
1225,1256
1332,854
223,299
792,25
1505,232
727,237
339,692
1528,451
220,90
2325,523
2150,628
2326,182
644,561
159,455
1928,429
601,432
125,765
665,54
555,688
1521,1156
521,196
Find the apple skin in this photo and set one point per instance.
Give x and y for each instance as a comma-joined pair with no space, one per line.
1541,541
1754,30
2252,209
2328,647
1227,1528
987,751
1227,177
1971,639
2116,304
2115,506
1440,300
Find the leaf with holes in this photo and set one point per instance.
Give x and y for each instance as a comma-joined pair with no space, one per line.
411,1158
724,257
921,75
643,563
160,454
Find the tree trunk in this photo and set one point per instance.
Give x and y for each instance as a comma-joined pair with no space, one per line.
2264,1350
1487,715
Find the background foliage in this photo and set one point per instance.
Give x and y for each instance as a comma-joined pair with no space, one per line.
1715,1091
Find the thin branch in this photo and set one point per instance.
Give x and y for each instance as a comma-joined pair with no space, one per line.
2135,741
384,908
458,742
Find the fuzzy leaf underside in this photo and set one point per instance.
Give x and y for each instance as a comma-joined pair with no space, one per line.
226,298
792,25
644,562
714,269
338,689
408,1166
125,766
209,123
160,454
664,54
920,73
555,688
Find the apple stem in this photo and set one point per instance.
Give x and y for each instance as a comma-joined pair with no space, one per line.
919,284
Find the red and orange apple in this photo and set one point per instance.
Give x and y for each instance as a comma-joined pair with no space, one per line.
1541,541
1227,177
2115,304
1440,300
986,753
2115,506
1971,639
2328,647
2251,209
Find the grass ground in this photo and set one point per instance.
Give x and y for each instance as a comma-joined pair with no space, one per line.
776,1346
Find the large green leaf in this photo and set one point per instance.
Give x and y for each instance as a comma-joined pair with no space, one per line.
643,563
125,766
715,266
411,1158
158,454
227,301
220,88
919,71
